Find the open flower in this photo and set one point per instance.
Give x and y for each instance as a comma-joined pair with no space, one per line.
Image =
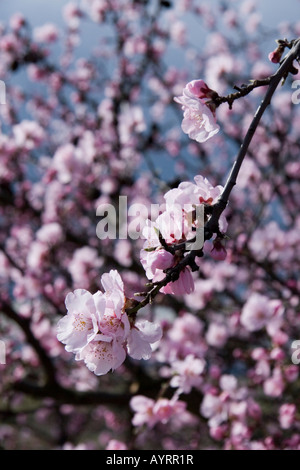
183,285
140,338
149,412
98,331
173,227
181,221
259,312
189,195
102,355
79,326
199,121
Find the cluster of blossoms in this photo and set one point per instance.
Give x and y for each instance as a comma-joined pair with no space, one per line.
176,225
150,412
80,125
98,331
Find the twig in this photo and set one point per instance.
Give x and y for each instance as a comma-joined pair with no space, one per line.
281,73
212,225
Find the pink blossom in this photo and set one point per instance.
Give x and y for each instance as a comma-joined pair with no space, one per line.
97,334
218,251
149,412
17,21
274,385
102,355
213,408
186,328
217,335
257,312
291,373
188,195
157,259
240,431
176,224
275,56
123,252
143,408
97,329
114,444
72,15
228,383
84,266
51,233
37,255
218,432
10,44
134,46
164,409
79,326
186,373
178,32
114,292
28,134
198,118
287,413
96,9
173,224
66,163
200,89
183,285
140,338
47,33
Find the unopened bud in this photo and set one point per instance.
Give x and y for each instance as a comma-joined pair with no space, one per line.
275,56
218,252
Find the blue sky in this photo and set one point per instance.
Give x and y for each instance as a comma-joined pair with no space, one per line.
41,11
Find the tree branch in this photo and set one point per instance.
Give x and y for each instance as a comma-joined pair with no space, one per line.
212,225
281,73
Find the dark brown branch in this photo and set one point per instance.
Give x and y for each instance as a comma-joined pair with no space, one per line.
24,324
244,90
281,73
212,226
72,397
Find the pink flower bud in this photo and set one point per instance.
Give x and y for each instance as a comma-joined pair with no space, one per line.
200,89
287,415
218,252
218,432
275,56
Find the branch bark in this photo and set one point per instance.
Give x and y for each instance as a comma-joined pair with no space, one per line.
212,225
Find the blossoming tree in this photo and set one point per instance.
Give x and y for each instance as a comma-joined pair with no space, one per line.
176,326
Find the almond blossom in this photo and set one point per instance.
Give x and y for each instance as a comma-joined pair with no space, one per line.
150,412
79,326
189,195
199,121
155,259
177,224
98,331
259,311
287,414
187,373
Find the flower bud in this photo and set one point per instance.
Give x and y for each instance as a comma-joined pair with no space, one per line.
275,56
